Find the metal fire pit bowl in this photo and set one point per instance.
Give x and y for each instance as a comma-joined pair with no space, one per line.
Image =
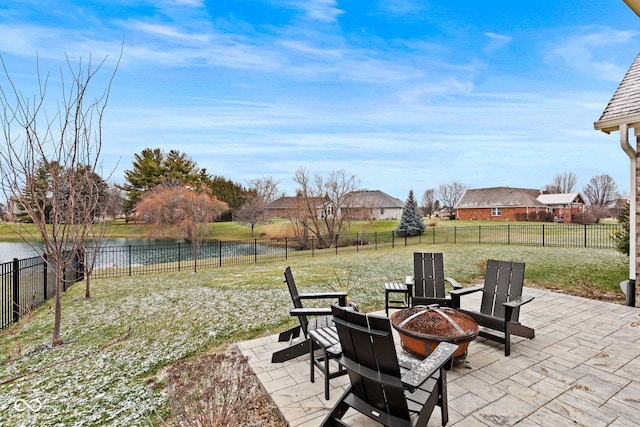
422,328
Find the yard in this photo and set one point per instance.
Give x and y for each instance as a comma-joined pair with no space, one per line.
111,370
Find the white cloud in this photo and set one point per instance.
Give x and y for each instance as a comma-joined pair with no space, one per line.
496,42
318,10
589,52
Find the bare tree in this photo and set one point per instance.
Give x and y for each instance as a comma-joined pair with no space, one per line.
601,193
113,209
266,188
262,191
562,183
251,211
180,211
65,145
428,202
449,194
326,203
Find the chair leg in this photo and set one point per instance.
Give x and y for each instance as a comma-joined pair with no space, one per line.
507,339
312,371
386,302
326,374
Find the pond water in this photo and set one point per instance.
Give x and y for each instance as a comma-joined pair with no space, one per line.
20,250
125,252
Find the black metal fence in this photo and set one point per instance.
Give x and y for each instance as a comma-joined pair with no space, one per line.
27,283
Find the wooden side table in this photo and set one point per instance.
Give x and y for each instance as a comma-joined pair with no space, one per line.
327,340
403,297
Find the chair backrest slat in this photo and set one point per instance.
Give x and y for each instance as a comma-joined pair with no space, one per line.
428,272
503,282
370,344
295,299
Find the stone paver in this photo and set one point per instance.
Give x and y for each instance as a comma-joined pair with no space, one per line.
581,369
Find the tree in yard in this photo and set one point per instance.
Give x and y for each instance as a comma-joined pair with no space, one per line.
147,173
262,191
562,183
429,202
411,222
621,236
449,194
152,167
113,208
326,205
180,211
233,194
601,193
49,164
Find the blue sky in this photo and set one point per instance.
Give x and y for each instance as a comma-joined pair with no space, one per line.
404,94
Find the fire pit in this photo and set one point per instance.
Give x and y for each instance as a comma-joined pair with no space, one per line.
422,328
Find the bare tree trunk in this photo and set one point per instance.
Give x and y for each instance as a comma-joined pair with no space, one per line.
48,165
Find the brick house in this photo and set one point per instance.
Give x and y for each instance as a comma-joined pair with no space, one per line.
563,206
517,204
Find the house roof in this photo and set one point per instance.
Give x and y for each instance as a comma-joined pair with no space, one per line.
288,202
561,199
499,197
624,105
374,198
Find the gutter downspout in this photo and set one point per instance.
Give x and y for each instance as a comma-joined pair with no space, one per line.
630,290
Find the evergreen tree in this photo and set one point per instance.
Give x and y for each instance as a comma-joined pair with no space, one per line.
411,222
153,167
621,236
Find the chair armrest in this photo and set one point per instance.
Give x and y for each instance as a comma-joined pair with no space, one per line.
323,295
464,291
453,283
311,311
340,296
518,302
426,368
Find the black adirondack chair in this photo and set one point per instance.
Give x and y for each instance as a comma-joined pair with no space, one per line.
429,280
381,386
501,302
309,318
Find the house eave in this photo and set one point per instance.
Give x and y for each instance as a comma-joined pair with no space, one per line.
612,125
634,5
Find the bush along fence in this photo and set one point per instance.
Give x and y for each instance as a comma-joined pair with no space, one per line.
27,283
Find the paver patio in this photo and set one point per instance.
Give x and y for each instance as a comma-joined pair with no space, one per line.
582,368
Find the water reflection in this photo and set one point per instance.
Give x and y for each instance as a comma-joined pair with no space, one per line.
121,252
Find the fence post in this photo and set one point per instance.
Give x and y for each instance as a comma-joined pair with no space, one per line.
542,234
179,255
45,275
508,234
286,248
337,237
393,240
129,259
357,241
220,253
585,235
375,237
479,234
255,250
16,290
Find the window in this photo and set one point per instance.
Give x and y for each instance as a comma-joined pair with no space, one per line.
496,211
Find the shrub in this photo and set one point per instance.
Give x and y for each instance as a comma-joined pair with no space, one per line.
583,218
214,390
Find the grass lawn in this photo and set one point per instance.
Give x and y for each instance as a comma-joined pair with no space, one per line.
132,327
238,231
